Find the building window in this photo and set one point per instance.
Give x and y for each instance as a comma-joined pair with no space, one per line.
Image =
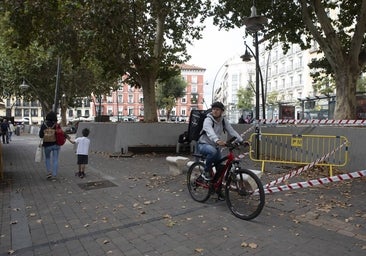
194,79
130,98
194,88
299,65
26,113
183,112
184,99
18,112
71,113
110,111
78,103
34,112
17,102
130,111
109,99
194,98
87,102
120,98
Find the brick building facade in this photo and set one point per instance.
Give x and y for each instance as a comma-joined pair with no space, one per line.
126,103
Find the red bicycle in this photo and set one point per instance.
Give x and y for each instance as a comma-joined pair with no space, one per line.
244,193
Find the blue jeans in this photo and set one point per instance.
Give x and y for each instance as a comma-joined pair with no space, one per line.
54,149
212,154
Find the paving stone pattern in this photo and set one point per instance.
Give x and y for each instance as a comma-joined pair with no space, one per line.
132,206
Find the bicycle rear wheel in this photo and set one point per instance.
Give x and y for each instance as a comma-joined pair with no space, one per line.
197,186
244,194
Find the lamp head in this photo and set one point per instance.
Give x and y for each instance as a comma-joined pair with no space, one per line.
246,57
24,86
254,23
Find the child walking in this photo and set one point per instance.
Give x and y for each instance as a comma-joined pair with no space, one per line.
82,151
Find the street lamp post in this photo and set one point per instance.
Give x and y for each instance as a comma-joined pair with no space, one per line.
247,57
25,86
255,23
55,105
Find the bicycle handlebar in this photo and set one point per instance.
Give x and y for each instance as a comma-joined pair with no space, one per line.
231,145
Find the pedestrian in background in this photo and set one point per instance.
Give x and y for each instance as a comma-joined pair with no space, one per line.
11,130
5,131
51,149
82,151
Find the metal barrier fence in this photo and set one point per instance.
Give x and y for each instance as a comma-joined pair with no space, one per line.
299,149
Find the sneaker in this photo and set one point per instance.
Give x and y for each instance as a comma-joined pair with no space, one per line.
82,175
49,176
220,196
206,176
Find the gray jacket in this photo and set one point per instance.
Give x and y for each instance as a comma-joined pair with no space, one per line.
214,130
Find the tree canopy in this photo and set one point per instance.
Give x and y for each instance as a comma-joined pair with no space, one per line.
169,91
245,97
337,26
99,41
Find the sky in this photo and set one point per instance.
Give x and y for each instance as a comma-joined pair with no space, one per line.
211,52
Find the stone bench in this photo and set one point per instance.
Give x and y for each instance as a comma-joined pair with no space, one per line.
176,164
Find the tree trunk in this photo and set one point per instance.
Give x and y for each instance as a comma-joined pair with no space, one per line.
150,110
63,113
345,107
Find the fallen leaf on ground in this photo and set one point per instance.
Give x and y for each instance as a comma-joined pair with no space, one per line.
198,250
250,245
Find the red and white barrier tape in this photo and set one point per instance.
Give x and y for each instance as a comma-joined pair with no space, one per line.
247,131
304,168
320,181
312,121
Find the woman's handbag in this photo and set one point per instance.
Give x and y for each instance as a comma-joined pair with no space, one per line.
39,153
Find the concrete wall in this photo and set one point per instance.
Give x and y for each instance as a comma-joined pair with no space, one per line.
115,137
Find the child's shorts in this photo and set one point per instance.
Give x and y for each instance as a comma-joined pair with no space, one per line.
82,159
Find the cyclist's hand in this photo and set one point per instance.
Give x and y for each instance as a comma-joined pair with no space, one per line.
246,143
221,143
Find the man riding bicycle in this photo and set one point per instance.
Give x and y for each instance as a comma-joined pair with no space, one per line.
214,125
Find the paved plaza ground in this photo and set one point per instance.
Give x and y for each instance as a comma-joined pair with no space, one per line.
133,206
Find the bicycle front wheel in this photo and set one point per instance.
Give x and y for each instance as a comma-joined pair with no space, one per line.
244,194
197,186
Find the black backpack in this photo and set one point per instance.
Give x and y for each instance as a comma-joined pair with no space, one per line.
196,119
